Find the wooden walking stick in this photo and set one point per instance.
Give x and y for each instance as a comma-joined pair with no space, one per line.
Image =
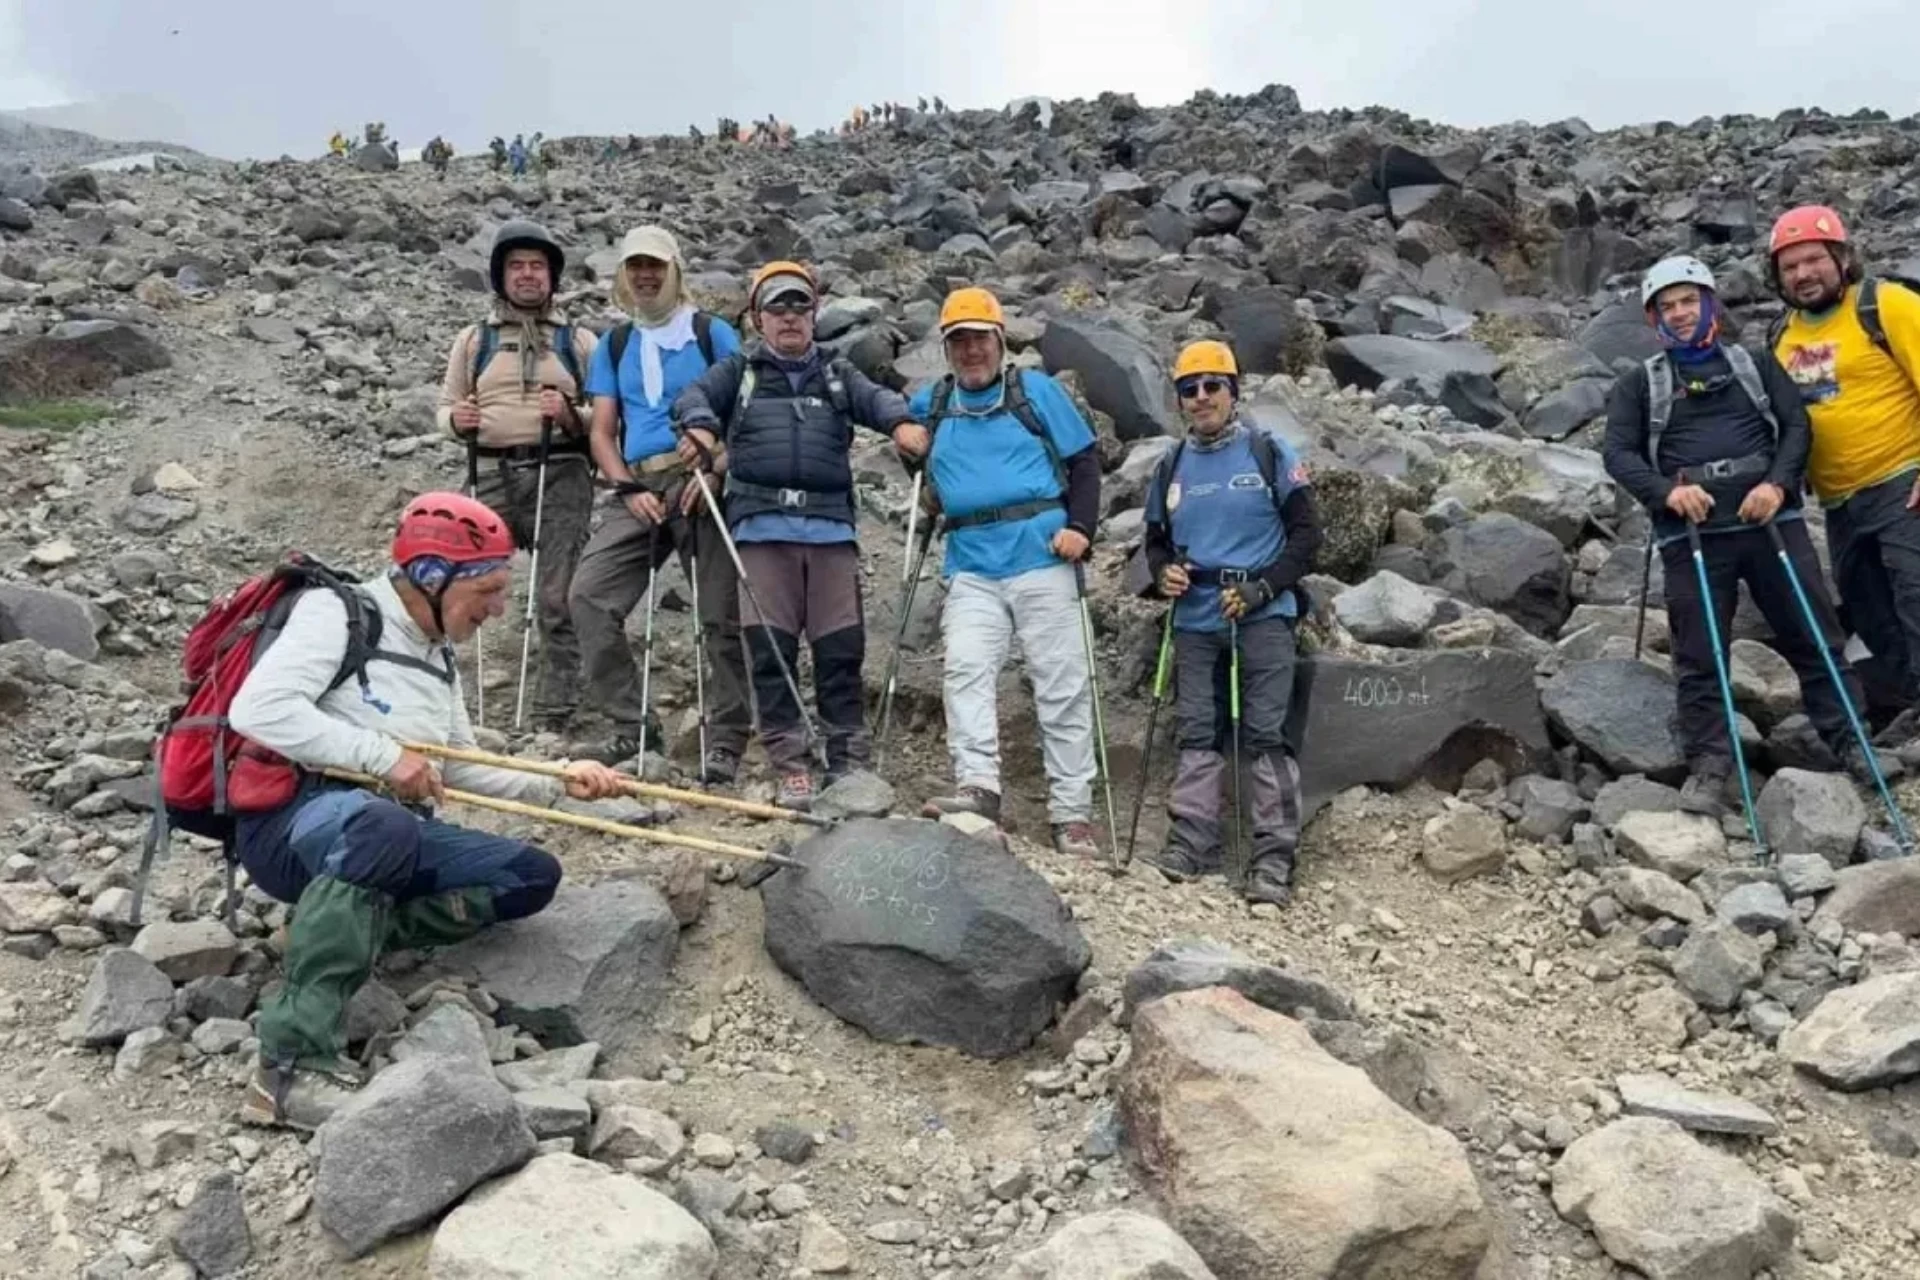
565,819
648,790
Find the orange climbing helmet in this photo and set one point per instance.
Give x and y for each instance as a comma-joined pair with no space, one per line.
1207,356
796,277
1808,224
972,308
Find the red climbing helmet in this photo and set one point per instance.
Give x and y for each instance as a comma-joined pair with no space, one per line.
451,527
1808,224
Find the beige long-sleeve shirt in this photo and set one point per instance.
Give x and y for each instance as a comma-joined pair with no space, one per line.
284,705
509,407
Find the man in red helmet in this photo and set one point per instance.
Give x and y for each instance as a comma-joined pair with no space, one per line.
364,872
1852,345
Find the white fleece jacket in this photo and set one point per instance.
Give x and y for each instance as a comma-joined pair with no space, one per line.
281,704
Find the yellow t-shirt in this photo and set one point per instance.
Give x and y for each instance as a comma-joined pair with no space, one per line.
1864,407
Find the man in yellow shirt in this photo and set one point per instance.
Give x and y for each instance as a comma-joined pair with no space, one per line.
1852,345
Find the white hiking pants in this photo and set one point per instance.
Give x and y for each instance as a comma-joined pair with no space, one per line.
981,619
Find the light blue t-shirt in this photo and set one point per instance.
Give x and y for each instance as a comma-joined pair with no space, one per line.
648,426
1225,517
983,457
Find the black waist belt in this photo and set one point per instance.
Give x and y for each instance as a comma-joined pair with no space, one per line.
1001,515
1222,577
531,452
1754,464
792,498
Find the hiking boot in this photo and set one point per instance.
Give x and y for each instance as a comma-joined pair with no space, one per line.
974,800
1271,880
721,767
1710,789
623,750
1177,862
1854,761
796,791
1076,840
282,1096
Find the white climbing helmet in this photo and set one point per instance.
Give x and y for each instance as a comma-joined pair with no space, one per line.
1672,271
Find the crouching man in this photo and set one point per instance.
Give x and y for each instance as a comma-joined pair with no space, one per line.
366,873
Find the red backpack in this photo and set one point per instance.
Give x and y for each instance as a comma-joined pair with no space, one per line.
207,773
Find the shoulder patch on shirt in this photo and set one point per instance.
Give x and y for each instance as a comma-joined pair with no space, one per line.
1248,480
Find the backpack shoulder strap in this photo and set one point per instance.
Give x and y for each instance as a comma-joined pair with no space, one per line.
742,396
702,334
836,372
569,356
1866,308
617,338
1266,457
1161,484
1747,374
1659,403
1777,330
486,341
1020,405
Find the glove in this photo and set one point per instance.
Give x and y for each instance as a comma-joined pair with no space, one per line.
1243,598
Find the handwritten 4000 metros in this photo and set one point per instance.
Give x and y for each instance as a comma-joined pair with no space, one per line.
895,880
1386,691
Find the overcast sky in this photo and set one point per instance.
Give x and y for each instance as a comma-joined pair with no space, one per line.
258,78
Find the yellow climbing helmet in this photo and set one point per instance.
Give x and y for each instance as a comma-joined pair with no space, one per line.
972,308
1205,357
797,275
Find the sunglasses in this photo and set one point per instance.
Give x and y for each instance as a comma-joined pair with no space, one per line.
788,308
1194,388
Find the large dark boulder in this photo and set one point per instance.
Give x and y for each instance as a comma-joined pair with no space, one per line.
1620,712
1369,359
57,619
1621,332
1122,378
1504,563
917,933
1424,714
77,356
1265,331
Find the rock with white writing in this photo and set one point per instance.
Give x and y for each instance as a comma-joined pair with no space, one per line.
916,933
1391,723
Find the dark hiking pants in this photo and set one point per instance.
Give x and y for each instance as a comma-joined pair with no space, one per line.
1748,556
811,590
512,488
1875,543
612,580
1204,731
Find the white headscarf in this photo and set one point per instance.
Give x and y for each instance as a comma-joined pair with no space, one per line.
667,324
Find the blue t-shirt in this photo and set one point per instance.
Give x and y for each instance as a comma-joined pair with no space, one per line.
1225,517
648,426
983,457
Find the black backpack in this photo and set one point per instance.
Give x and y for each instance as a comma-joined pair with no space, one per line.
622,333
1016,403
1866,309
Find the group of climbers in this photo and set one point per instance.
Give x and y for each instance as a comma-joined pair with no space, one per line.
1719,443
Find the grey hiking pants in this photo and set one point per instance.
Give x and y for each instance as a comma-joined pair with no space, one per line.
512,488
1204,731
981,619
612,579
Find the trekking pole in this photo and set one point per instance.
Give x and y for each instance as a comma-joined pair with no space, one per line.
533,577
479,636
699,654
1162,670
1099,720
1240,850
646,650
746,588
910,587
628,786
1646,585
1726,685
1901,832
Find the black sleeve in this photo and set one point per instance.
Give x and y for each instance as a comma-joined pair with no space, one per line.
1301,519
1083,492
1157,546
1625,450
1796,431
707,401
